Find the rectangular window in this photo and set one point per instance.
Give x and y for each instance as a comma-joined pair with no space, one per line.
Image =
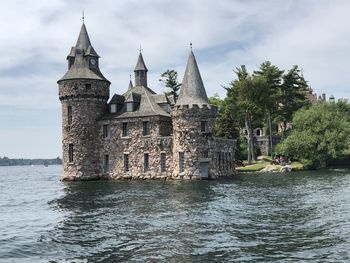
71,152
181,162
106,164
126,162
113,108
105,131
88,86
219,160
125,129
145,128
129,106
145,162
204,126
162,162
229,161
70,115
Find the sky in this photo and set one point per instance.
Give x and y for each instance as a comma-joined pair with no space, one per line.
36,36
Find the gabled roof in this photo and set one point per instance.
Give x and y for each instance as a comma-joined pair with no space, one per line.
132,97
146,105
140,65
117,99
192,90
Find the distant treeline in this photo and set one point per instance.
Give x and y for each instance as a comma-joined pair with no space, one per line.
5,161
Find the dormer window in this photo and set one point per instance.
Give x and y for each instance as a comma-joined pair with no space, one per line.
113,108
129,106
70,62
165,106
93,62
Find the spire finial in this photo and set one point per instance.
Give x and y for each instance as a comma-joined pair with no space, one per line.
191,45
83,17
140,49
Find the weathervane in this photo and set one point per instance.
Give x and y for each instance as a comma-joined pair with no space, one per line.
140,49
83,16
191,45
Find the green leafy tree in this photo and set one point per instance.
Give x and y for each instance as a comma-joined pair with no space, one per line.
319,136
169,78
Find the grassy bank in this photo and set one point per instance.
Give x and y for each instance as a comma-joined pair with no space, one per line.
263,162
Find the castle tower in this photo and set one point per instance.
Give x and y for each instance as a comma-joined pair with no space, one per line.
193,122
83,92
140,72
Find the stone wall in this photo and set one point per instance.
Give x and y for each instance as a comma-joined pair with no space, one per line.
198,146
136,145
88,104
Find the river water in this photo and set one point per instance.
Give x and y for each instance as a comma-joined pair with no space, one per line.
296,217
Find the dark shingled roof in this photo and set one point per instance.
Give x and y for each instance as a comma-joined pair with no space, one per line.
140,65
80,68
145,104
192,90
117,99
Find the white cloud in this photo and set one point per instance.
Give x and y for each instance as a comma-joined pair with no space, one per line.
36,36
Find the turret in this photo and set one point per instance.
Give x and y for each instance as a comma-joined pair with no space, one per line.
140,72
193,122
83,92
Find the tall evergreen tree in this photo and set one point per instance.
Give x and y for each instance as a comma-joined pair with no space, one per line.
292,96
245,94
169,78
269,101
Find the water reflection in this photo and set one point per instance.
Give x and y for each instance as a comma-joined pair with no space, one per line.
252,218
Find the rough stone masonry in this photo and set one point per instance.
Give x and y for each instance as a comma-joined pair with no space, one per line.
138,134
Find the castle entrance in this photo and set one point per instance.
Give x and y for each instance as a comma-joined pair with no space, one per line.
204,169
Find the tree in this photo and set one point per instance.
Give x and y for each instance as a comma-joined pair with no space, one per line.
244,96
169,78
270,98
291,97
319,136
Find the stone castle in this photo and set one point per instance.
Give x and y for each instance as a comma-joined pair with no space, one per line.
140,134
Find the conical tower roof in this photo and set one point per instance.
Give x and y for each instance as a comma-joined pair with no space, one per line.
140,65
192,88
83,41
80,69
130,85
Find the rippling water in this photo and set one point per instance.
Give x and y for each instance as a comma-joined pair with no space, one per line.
251,218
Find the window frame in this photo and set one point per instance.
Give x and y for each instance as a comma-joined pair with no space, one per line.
69,115
162,162
105,131
146,166
129,106
113,108
71,153
126,162
125,129
106,163
146,128
181,162
204,126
